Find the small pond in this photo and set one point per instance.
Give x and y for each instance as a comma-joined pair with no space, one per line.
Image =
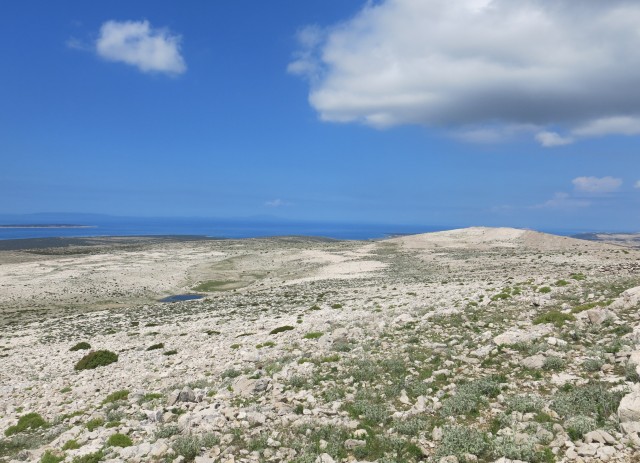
182,297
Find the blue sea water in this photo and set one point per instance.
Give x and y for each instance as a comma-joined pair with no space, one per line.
212,228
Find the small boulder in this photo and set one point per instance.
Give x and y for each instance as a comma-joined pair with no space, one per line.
535,362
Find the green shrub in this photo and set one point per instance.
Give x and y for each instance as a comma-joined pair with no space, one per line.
553,363
281,329
265,344
470,397
170,352
81,346
71,445
370,408
578,276
119,440
562,283
554,316
50,457
500,297
167,431
313,335
593,400
586,306
544,290
94,423
189,446
99,358
90,458
160,345
579,425
460,440
412,426
116,396
149,396
506,446
524,404
230,373
631,372
593,364
30,421
330,358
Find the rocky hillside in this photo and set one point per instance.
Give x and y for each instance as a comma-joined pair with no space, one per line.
478,345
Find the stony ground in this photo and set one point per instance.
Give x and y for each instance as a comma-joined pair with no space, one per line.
473,345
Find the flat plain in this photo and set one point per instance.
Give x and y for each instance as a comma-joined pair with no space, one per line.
470,345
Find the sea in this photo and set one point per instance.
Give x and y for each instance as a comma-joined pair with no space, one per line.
211,228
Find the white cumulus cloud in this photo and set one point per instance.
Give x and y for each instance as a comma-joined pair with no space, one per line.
549,139
596,184
277,203
562,200
138,44
570,70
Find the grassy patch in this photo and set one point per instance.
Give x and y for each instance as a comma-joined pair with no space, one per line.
71,445
265,344
160,345
116,396
555,317
28,422
189,446
313,335
593,400
211,286
90,458
50,457
460,441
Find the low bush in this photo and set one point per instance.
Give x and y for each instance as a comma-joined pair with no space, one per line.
189,446
71,445
553,363
593,364
593,400
90,458
555,316
160,345
28,422
460,441
579,425
119,440
281,329
94,423
95,359
50,457
167,431
116,396
524,404
81,346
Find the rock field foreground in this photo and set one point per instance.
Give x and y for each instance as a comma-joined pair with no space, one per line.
474,345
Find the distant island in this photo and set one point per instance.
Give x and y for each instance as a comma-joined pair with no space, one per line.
47,225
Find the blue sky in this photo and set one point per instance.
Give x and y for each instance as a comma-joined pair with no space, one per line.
323,110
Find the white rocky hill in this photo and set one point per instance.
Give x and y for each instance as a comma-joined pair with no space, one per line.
475,345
